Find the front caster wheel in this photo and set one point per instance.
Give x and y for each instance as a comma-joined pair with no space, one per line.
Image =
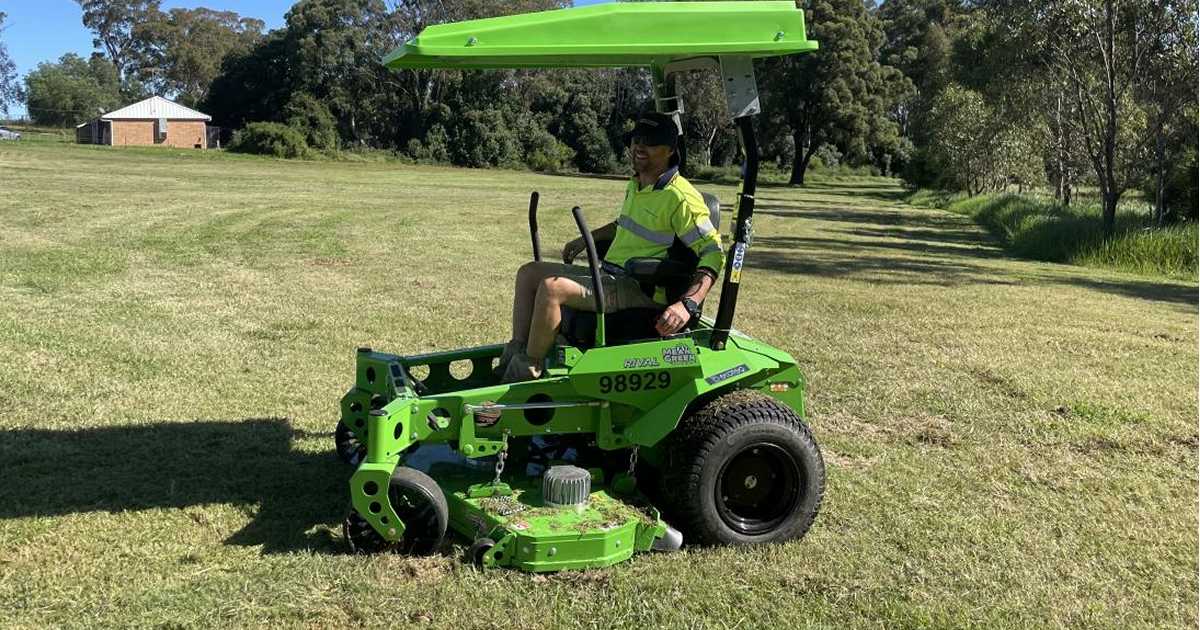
743,469
419,503
349,448
478,549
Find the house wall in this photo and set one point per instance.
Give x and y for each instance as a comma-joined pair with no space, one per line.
180,133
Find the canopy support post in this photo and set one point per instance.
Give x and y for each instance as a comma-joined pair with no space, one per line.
668,101
741,93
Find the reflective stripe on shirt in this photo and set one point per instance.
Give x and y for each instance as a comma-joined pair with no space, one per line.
661,238
703,228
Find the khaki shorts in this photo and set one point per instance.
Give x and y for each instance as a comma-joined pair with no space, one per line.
620,292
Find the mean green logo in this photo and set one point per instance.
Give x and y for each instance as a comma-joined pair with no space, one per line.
679,355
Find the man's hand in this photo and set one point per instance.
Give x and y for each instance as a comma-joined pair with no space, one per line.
572,249
672,320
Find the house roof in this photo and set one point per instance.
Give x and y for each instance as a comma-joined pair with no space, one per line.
155,107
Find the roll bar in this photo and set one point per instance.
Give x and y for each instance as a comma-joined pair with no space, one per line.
594,263
533,226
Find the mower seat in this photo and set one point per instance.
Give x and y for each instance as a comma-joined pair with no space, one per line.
673,273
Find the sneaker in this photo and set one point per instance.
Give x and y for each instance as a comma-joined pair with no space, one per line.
510,349
522,369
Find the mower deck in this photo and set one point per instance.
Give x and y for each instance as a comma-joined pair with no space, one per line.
513,526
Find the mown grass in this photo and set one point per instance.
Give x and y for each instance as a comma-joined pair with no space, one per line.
1010,443
1044,230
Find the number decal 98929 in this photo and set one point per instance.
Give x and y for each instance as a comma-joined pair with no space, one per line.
635,382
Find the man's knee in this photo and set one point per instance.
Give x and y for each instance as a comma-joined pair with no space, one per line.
560,289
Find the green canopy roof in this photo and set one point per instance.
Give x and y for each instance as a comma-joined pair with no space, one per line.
611,35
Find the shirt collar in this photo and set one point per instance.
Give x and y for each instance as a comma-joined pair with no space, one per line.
663,180
666,178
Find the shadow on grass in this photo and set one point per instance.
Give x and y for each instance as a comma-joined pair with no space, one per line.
943,249
249,463
915,246
944,235
1155,291
875,269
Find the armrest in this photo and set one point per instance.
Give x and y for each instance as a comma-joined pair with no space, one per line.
658,271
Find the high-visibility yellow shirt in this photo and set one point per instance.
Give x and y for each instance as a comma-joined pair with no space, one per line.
652,217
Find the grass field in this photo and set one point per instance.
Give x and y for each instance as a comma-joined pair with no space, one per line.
1010,443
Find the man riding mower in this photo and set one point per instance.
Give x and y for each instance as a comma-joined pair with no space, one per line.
660,209
562,457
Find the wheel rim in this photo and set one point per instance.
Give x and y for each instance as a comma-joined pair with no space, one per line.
758,488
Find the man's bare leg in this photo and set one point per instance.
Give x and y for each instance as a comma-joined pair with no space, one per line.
553,293
529,279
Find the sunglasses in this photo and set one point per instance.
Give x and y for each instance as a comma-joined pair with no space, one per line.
647,141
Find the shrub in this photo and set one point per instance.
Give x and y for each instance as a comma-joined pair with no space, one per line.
545,153
312,118
593,150
265,138
483,138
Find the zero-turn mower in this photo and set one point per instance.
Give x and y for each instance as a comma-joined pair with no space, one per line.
631,441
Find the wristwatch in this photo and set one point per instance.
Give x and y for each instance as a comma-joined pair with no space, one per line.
692,307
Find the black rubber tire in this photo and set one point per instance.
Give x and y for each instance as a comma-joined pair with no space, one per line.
477,550
737,439
420,503
361,537
349,448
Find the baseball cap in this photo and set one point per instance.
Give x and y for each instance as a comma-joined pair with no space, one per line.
654,128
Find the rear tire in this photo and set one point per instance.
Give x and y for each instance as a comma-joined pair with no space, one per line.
744,469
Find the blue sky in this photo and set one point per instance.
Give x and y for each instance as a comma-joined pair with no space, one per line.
44,30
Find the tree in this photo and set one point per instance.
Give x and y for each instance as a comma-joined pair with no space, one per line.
10,89
840,95
335,46
706,120
960,139
113,23
1167,91
72,90
180,52
1100,50
920,41
255,86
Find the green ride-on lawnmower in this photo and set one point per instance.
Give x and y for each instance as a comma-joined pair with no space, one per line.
570,471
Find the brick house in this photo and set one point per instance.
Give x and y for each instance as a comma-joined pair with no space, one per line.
155,121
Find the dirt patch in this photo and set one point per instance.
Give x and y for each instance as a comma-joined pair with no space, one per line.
999,382
850,462
932,431
590,577
1187,441
918,431
845,424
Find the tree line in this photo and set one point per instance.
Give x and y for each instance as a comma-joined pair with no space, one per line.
970,95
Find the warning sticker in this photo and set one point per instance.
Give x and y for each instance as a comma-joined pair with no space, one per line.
739,257
727,374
